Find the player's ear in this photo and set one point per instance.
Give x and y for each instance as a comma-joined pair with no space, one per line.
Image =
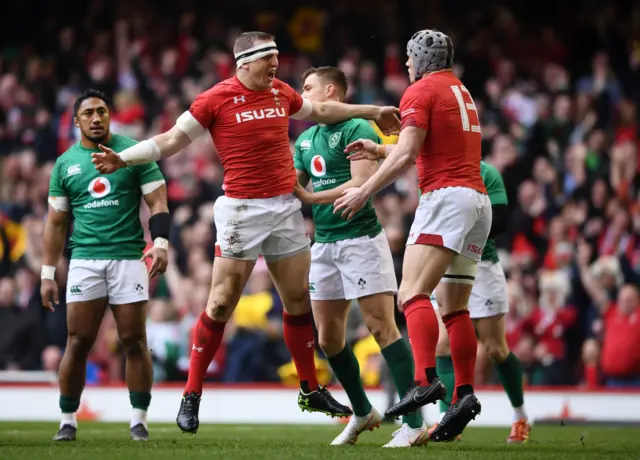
330,90
76,122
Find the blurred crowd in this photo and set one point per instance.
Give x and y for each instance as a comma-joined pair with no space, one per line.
557,86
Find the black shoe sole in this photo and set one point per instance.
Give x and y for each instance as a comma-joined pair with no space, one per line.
456,425
401,409
325,412
189,430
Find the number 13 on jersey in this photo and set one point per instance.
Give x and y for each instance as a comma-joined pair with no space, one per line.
465,107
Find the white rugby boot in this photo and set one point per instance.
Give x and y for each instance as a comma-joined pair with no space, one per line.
356,426
409,437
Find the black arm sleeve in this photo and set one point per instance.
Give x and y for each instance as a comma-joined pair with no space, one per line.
499,222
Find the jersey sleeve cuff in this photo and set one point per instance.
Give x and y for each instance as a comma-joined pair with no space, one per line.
189,125
59,203
151,186
305,110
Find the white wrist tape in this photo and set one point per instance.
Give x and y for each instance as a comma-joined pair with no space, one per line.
48,272
161,243
189,125
143,152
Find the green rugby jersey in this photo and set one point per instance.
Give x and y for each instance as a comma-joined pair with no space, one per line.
106,208
497,195
319,152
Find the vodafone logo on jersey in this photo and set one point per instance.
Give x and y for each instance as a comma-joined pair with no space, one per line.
318,166
99,187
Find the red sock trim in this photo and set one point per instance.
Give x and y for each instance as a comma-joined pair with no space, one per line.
450,316
410,305
297,320
210,323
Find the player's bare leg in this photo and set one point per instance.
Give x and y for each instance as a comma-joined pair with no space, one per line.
378,314
453,298
491,333
423,267
331,320
291,278
83,324
132,332
227,282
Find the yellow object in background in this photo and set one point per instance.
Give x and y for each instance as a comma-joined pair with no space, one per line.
385,139
365,349
252,309
289,375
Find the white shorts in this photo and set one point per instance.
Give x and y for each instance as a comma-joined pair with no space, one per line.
353,268
273,227
457,218
121,281
489,293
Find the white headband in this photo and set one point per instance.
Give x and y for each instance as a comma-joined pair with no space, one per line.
256,52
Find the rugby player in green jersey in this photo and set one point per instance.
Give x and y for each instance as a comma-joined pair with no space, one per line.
350,260
487,303
107,265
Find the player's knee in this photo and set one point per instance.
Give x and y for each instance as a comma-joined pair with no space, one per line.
590,351
296,301
497,350
330,341
134,345
79,345
384,332
221,304
442,348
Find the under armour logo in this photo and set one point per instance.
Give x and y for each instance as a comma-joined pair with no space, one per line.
310,344
197,349
238,99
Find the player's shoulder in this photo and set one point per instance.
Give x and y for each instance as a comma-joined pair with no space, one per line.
121,142
361,126
74,151
283,87
306,135
224,88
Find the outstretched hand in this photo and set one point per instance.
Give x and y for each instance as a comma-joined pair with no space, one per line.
351,201
362,149
107,161
388,120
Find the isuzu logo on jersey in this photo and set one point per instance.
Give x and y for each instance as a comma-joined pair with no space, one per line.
250,115
99,187
318,166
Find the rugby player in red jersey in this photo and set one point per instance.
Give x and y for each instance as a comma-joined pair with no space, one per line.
441,133
248,118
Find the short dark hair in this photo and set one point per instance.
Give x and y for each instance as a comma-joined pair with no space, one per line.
88,94
333,74
247,39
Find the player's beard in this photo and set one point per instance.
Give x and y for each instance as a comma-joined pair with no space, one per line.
97,139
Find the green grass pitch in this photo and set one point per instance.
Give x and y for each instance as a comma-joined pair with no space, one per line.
97,441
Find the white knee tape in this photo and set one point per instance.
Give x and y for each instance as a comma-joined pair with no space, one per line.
462,270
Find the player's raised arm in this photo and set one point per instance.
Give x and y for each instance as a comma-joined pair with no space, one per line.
189,126
332,112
